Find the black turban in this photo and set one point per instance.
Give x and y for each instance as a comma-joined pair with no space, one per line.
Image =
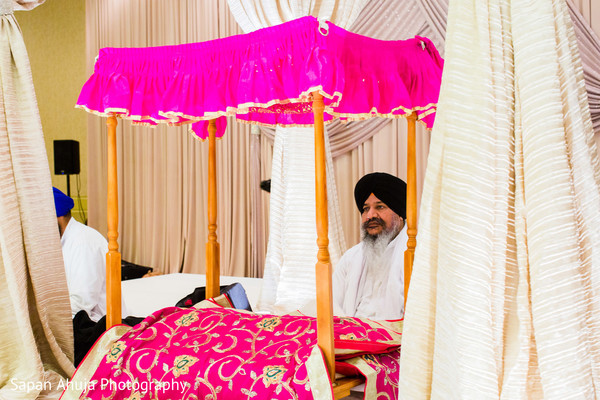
386,187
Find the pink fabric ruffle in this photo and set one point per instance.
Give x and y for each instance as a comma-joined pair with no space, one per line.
266,77
200,128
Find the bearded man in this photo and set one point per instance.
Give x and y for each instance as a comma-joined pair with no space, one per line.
368,281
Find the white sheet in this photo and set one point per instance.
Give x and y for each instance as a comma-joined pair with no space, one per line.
144,296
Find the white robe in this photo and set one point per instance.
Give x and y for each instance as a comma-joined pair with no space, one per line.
84,253
354,296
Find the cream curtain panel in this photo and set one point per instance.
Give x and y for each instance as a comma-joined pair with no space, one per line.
289,274
435,12
504,300
256,14
36,337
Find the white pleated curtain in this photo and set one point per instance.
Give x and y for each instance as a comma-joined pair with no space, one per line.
289,275
36,336
504,301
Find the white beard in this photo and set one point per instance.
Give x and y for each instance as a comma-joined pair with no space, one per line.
373,282
372,286
374,247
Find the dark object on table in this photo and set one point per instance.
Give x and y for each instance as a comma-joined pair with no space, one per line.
133,271
235,292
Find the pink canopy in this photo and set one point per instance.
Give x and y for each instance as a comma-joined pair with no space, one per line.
266,77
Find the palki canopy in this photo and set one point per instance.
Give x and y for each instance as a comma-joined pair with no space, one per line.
302,73
266,77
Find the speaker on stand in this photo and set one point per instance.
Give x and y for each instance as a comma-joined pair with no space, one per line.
66,160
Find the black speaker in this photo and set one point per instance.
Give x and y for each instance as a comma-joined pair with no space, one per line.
66,157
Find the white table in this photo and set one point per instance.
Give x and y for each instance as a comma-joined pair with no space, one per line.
143,296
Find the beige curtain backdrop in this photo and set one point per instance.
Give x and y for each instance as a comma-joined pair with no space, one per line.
36,338
503,302
162,171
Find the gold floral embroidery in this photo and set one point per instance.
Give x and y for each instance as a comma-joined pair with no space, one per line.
187,319
135,396
115,351
268,324
273,374
372,360
350,336
182,363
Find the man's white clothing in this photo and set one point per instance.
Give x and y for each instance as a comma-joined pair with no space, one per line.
356,296
84,253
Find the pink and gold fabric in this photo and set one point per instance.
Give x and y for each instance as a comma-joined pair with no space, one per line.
266,77
225,354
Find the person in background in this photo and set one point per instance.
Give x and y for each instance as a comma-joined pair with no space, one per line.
368,281
84,253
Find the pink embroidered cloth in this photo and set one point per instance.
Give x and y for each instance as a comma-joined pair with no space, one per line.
222,353
266,77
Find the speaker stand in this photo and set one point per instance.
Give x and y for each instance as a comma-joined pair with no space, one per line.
68,185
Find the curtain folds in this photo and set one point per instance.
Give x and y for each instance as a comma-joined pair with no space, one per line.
163,170
253,15
589,48
503,302
435,12
35,313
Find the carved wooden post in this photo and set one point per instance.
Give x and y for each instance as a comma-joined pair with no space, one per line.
113,257
212,246
323,267
411,202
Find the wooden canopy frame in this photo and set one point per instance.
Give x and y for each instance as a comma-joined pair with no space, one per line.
341,387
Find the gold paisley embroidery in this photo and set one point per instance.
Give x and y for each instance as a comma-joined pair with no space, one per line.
182,363
115,351
268,324
187,319
273,374
135,396
350,336
372,360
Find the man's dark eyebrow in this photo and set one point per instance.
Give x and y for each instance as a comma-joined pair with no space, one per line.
378,202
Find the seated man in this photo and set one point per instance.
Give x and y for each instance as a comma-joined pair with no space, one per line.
368,281
84,253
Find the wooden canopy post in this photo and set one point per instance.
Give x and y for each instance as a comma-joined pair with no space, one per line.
212,246
113,257
411,202
323,267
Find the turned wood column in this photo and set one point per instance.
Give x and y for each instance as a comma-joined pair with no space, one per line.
113,257
212,246
323,267
411,203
